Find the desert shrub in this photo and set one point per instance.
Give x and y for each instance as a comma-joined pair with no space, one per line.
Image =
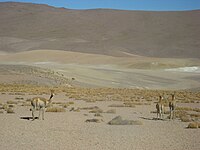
11,106
89,108
26,104
178,114
10,111
19,98
195,115
192,101
57,103
196,109
112,111
89,100
129,105
28,99
11,102
193,125
94,120
186,101
5,106
65,105
55,109
19,93
98,115
71,103
97,110
184,108
185,118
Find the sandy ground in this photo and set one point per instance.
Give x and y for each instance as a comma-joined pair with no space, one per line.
93,70
68,130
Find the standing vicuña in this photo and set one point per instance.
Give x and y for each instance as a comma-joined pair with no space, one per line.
40,103
160,108
172,107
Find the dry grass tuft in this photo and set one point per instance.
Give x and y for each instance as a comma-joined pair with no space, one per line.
10,111
26,104
94,120
90,108
98,115
19,98
188,109
196,109
193,125
195,115
116,105
5,106
64,105
1,112
96,110
129,105
11,106
55,109
71,103
11,102
28,100
58,103
185,118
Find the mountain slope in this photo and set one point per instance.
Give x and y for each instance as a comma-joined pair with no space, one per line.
25,26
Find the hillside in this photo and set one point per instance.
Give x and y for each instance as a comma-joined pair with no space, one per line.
32,75
26,26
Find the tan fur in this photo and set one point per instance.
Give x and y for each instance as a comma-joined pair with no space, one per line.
40,103
160,108
172,107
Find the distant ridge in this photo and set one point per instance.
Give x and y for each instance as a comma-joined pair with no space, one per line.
27,26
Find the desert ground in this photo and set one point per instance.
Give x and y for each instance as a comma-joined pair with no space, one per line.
91,90
107,69
80,119
94,70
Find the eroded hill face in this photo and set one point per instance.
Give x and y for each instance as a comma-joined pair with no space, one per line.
30,75
111,32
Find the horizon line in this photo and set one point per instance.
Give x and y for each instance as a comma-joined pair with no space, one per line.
103,8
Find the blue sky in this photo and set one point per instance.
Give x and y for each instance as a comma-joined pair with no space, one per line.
157,5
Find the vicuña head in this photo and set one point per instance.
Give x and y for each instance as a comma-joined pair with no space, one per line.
40,103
